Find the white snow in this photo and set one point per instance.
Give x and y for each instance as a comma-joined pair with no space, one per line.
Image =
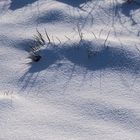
68,95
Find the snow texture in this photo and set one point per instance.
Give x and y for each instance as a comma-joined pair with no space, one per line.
82,88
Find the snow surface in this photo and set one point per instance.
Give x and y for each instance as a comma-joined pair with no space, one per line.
68,95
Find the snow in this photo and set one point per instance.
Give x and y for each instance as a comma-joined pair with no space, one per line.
138,1
80,89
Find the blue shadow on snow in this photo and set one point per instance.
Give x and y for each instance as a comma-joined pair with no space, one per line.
74,3
106,58
128,10
16,4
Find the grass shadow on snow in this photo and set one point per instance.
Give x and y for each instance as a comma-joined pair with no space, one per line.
16,4
115,59
104,58
28,80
